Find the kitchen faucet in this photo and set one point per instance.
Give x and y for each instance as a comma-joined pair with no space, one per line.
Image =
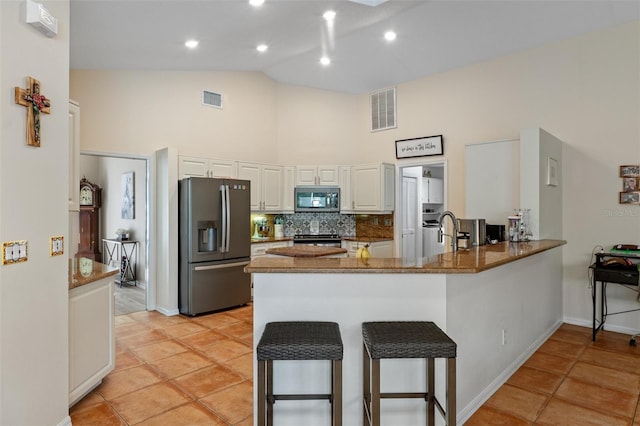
454,236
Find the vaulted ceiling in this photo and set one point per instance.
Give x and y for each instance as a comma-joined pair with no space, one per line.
432,36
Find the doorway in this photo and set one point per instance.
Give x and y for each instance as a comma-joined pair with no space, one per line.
419,209
121,176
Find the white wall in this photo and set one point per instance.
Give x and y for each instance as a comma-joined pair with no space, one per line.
33,206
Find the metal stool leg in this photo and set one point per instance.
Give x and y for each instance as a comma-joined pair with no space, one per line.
431,389
451,392
261,393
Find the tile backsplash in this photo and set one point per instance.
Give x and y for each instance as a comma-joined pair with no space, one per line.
330,223
345,225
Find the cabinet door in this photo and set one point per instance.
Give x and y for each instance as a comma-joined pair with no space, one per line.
346,201
432,191
271,188
222,169
388,186
91,336
381,249
192,167
306,175
74,156
365,186
328,175
288,185
251,172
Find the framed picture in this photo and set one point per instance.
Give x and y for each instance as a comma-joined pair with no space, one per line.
630,184
630,171
552,171
630,198
128,199
419,147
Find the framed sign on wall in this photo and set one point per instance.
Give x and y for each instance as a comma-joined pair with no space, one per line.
419,147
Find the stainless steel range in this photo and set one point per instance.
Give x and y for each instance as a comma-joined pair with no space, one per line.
325,240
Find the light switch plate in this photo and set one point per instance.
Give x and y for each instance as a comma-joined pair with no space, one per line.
56,245
14,252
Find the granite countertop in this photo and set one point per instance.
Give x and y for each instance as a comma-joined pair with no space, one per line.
471,261
306,251
367,239
100,271
270,240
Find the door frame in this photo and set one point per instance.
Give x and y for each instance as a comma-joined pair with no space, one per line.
400,202
150,290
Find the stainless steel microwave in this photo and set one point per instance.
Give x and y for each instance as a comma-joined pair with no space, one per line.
317,199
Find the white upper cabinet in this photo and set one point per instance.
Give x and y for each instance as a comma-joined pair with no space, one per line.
346,204
266,185
205,167
432,191
317,175
373,188
288,185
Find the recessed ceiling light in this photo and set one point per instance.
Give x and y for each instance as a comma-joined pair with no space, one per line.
256,3
329,15
390,36
325,61
262,48
191,44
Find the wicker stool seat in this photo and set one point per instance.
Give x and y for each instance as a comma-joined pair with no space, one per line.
407,339
298,340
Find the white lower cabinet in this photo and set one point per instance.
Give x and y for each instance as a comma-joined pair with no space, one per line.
376,249
91,336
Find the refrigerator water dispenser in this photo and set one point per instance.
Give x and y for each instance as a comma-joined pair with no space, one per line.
207,236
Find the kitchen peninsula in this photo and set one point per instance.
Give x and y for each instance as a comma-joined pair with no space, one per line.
497,302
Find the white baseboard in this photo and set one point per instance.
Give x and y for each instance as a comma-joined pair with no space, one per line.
168,312
486,393
65,422
609,327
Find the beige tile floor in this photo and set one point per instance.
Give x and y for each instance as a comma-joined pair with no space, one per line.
198,371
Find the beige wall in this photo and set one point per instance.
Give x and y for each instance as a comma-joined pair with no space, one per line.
34,295
585,91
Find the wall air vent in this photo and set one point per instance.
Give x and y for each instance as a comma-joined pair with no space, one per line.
383,109
211,99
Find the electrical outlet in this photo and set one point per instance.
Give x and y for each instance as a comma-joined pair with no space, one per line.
387,222
504,336
375,220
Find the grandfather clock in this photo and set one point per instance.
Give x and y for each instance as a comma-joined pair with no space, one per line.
90,203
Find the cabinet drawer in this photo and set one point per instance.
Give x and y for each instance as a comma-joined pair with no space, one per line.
617,276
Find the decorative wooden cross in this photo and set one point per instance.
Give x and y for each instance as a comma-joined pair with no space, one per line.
36,103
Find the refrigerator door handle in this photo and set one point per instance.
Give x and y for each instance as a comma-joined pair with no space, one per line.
227,205
223,266
223,243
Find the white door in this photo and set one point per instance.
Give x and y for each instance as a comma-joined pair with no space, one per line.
409,216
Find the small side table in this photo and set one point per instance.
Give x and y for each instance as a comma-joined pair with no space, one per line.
124,253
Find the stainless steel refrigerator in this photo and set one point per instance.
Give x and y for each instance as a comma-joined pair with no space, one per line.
215,244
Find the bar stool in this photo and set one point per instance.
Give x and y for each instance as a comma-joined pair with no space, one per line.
299,340
408,339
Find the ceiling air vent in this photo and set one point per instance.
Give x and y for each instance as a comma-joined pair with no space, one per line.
383,109
211,99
